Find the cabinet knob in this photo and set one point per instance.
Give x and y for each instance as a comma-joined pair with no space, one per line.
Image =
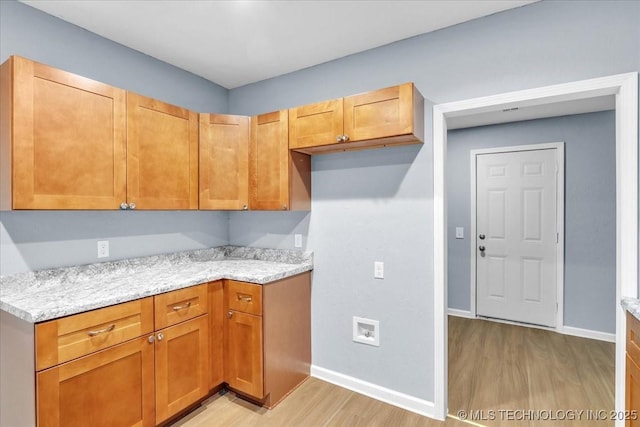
284,207
345,138
132,205
151,339
123,206
160,336
339,138
245,207
229,314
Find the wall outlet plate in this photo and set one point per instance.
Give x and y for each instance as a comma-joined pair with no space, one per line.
103,248
297,240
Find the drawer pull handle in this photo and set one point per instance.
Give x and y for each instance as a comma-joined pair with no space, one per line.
101,331
245,298
180,307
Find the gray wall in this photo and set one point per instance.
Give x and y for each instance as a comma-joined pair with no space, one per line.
590,209
363,201
374,205
36,240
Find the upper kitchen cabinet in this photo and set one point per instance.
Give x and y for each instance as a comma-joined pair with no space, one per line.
279,179
162,155
224,162
390,116
62,139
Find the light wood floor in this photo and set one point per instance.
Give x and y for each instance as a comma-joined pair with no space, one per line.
492,366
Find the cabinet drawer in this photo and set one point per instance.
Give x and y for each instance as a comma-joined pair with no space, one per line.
177,306
633,337
244,297
67,338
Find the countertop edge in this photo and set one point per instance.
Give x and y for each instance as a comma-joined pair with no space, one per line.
632,305
45,314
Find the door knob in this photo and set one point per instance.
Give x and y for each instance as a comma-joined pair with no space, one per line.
481,248
481,237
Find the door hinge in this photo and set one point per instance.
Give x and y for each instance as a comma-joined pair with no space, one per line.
557,237
556,307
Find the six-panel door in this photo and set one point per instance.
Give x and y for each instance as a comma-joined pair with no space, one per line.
69,139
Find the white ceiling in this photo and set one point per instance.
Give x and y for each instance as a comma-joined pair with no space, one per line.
234,43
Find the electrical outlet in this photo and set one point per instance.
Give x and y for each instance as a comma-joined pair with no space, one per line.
297,240
378,270
459,232
103,248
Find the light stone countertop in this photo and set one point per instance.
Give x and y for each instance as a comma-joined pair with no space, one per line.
632,305
49,294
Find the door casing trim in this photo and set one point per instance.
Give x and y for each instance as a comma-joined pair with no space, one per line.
625,89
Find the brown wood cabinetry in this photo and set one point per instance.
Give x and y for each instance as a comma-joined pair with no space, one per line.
632,380
224,162
390,116
120,369
62,141
216,334
182,366
279,179
268,344
162,155
68,142
114,386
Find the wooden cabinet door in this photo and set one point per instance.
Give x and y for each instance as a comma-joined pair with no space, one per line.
182,366
269,162
632,394
243,361
113,387
216,334
224,162
316,124
68,139
162,155
379,114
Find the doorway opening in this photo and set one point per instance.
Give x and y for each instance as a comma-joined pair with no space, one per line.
624,89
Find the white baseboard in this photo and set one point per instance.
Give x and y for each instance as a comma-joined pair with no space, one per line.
460,313
588,333
567,330
392,397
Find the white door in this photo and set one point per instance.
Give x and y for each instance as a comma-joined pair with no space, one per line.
516,239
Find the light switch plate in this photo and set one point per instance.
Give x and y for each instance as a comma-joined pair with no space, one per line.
378,270
459,232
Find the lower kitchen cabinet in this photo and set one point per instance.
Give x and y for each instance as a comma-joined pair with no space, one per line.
268,342
632,372
142,363
216,334
181,368
140,382
113,387
243,354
